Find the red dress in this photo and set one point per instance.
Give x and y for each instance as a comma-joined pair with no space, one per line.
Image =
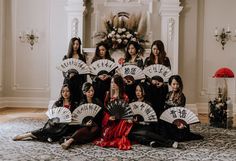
115,133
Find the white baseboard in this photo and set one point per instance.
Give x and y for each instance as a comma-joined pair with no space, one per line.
3,102
35,102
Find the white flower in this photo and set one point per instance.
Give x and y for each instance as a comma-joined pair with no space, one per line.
134,39
119,30
123,29
125,41
113,32
129,36
109,35
119,41
117,36
113,39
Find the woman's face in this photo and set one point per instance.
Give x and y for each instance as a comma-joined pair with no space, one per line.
76,45
174,85
114,86
90,92
132,50
102,51
65,92
155,50
138,92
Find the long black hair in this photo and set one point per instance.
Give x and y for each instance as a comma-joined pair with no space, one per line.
97,52
71,51
127,54
162,52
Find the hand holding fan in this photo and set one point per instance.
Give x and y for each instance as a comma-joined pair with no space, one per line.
120,109
174,115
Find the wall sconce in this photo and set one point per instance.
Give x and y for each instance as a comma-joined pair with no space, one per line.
224,36
29,37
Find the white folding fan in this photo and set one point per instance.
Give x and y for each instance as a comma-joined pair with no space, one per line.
62,113
158,70
84,111
120,109
76,64
131,70
174,114
144,110
102,64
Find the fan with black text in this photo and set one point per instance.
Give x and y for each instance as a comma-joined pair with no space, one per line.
74,64
144,110
131,70
61,113
120,109
158,70
84,113
102,65
174,115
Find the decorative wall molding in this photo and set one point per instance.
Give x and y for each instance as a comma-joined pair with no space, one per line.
169,11
75,12
128,3
16,86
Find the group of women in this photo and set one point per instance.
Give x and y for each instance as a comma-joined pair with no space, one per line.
106,130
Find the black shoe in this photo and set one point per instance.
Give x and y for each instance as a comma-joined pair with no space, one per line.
153,144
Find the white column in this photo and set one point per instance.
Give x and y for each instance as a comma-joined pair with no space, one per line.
169,12
75,10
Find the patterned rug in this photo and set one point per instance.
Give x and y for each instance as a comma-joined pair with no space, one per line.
219,144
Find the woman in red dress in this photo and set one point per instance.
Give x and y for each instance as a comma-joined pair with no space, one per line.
115,131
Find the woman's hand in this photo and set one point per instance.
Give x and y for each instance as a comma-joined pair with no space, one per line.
129,121
89,123
180,126
112,118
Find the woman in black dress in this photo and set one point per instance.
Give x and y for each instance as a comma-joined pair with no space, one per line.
72,77
175,98
52,131
101,82
145,133
86,134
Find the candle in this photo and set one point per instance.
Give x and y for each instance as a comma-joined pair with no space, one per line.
228,28
216,31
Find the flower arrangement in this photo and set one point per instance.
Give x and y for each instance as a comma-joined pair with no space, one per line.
218,110
122,28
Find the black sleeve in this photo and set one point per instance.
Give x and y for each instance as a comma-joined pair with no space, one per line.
167,62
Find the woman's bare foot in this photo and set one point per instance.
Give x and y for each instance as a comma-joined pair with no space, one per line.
67,143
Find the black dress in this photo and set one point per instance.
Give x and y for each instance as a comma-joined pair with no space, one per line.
53,131
138,62
145,134
75,82
87,134
171,131
157,97
101,87
166,62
